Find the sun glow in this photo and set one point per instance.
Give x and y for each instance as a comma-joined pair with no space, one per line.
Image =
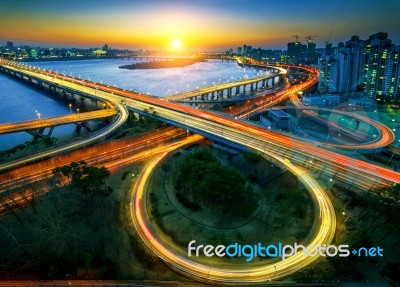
176,44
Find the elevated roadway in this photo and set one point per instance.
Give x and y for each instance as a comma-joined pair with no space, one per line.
55,121
202,269
227,92
282,150
120,118
229,130
384,137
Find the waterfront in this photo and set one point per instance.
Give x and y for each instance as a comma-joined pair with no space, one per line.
20,102
155,82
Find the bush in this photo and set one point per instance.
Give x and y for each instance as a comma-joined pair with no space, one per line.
202,178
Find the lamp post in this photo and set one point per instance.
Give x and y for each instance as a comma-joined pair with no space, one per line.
70,107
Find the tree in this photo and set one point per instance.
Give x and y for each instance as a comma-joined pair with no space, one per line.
203,179
88,180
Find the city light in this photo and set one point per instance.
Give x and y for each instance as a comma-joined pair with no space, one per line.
230,143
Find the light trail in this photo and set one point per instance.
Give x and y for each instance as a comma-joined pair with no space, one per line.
201,120
55,121
321,233
271,144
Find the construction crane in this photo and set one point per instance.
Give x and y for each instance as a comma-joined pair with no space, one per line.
297,37
329,37
310,38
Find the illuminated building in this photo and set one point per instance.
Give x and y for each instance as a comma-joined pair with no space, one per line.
371,66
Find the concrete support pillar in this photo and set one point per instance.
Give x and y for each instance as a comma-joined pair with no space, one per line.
50,132
229,93
357,122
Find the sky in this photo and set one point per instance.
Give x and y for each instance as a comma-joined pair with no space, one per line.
192,25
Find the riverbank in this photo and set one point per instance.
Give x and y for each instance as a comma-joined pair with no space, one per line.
169,63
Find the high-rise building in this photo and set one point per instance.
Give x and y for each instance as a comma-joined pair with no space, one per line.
354,49
10,45
328,49
249,50
372,66
239,50
311,53
293,52
324,65
391,83
297,53
334,70
379,64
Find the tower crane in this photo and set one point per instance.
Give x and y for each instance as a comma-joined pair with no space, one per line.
309,38
297,37
329,37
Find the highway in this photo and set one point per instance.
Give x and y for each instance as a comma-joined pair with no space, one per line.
206,90
17,184
55,121
321,233
280,149
122,115
384,138
93,155
243,133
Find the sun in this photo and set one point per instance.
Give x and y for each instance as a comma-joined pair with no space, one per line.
176,44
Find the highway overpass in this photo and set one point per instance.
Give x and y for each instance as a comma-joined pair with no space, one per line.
36,127
224,129
229,92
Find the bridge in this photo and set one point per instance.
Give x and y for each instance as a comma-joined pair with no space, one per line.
38,126
231,92
223,128
280,149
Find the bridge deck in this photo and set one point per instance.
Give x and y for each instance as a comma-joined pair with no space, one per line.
55,121
218,87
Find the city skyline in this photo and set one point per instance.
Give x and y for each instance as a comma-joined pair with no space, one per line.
221,142
190,26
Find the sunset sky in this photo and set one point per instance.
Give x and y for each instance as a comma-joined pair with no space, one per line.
198,25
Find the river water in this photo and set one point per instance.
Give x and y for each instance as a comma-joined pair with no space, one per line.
19,102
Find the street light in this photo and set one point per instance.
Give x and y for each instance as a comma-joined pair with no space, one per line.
70,107
77,110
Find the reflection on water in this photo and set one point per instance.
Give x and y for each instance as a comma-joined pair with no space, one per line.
156,82
20,102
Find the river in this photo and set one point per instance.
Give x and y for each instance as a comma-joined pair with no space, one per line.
20,102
